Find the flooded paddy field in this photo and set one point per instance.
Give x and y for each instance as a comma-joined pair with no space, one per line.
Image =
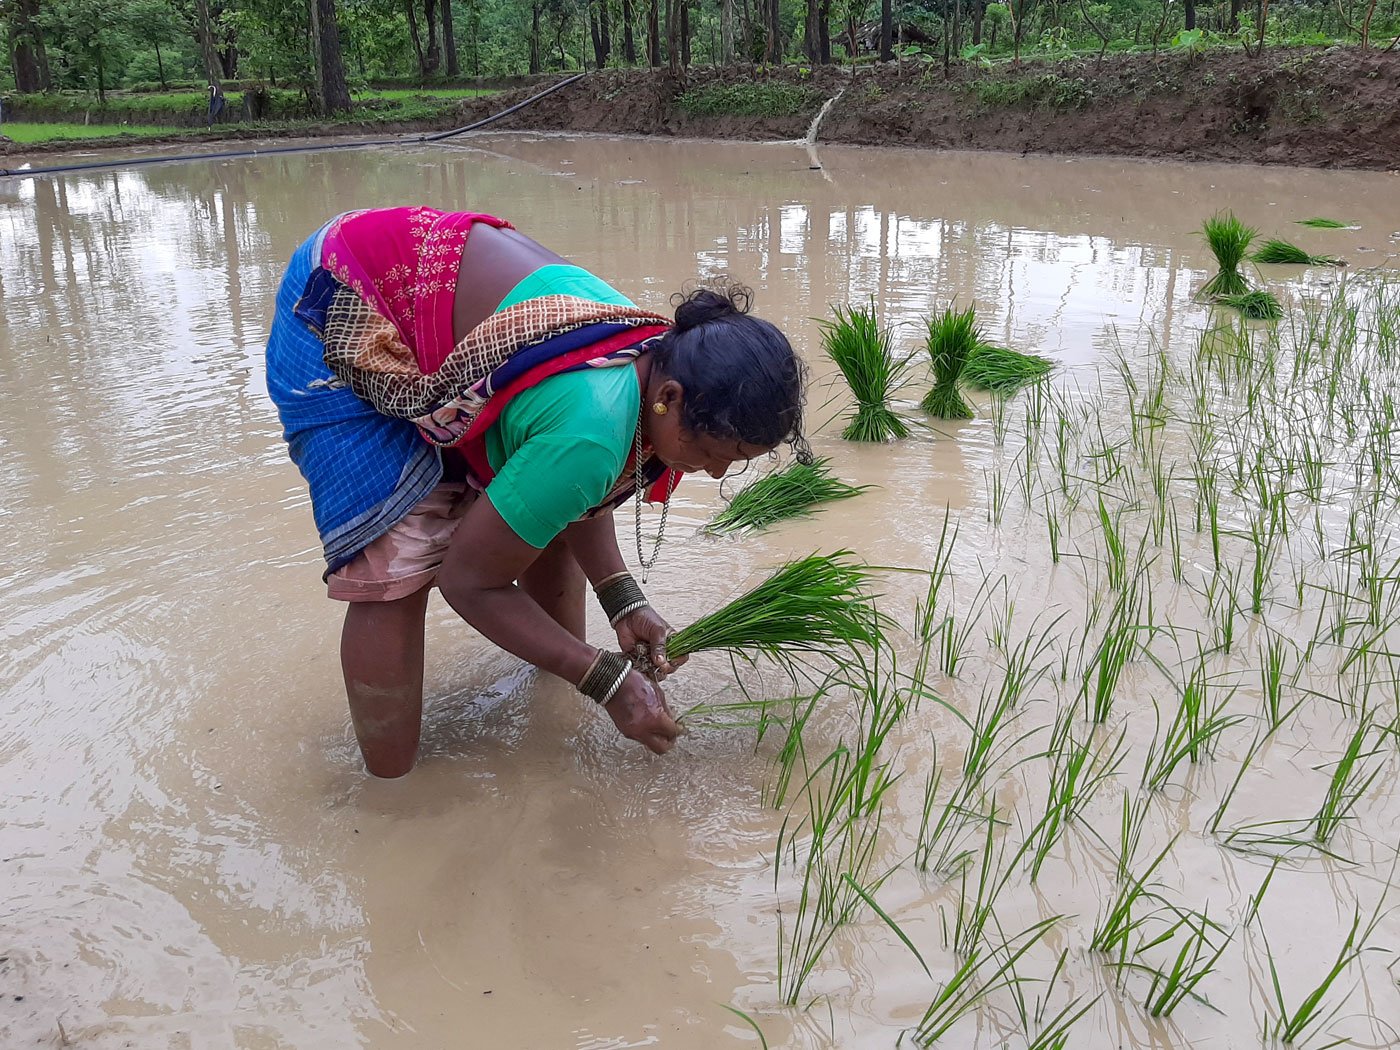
1153,804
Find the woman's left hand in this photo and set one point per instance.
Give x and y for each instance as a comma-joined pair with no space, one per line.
645,626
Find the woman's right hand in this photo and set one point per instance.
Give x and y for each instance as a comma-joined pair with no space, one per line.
639,710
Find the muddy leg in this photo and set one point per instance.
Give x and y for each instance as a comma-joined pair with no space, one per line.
558,585
381,654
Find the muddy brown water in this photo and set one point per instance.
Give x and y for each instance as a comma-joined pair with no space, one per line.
190,853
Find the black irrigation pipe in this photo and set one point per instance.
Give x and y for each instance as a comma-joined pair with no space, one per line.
400,140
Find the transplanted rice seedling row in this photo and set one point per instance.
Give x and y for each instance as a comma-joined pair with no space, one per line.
1209,689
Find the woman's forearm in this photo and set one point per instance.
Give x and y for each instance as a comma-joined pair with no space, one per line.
593,543
511,619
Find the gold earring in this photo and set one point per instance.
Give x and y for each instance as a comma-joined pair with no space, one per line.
659,408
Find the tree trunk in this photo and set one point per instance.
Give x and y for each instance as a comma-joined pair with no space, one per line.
535,36
629,39
449,41
673,36
605,29
1235,14
824,31
1190,14
432,57
160,66
726,32
207,51
330,63
886,30
775,34
685,33
979,8
101,77
31,64
653,34
416,37
811,44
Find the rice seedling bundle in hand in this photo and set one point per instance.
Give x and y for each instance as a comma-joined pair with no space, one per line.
1229,240
1255,306
1002,370
815,605
787,493
1282,252
865,354
952,339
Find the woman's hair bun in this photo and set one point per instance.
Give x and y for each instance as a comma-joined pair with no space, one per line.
710,302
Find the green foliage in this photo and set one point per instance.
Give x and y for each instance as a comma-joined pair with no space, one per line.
815,605
1003,371
1049,90
865,354
791,492
58,132
1277,251
952,339
1255,305
1229,240
1326,224
748,100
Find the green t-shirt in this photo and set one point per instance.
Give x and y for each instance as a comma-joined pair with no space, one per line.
560,447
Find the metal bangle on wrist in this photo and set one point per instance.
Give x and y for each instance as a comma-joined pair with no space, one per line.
605,676
620,597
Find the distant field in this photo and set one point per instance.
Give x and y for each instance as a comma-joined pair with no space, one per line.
50,132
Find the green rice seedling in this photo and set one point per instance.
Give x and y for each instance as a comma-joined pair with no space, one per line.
987,970
1078,769
1116,648
1229,240
1351,779
996,496
1052,526
1003,371
1279,252
1122,918
952,338
1257,897
1115,552
1257,305
1292,1026
1054,1034
1325,224
1224,804
791,492
864,352
1272,680
1195,960
762,1040
814,605
953,639
1193,733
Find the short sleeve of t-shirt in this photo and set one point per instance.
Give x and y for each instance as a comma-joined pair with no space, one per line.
560,447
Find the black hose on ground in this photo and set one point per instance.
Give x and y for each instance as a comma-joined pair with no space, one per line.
401,140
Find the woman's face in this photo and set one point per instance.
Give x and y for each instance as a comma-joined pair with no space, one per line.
690,451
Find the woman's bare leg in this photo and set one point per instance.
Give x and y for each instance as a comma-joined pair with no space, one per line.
381,655
557,585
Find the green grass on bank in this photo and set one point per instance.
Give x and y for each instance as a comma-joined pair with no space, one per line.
748,100
61,132
427,93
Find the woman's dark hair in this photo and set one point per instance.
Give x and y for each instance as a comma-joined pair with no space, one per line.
742,379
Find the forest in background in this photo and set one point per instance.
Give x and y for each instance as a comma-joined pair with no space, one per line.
325,49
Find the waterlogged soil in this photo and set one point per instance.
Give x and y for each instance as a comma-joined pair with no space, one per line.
193,857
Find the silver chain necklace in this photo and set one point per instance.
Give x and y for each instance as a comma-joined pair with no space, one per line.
638,486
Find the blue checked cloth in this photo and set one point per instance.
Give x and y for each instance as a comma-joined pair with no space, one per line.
366,470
